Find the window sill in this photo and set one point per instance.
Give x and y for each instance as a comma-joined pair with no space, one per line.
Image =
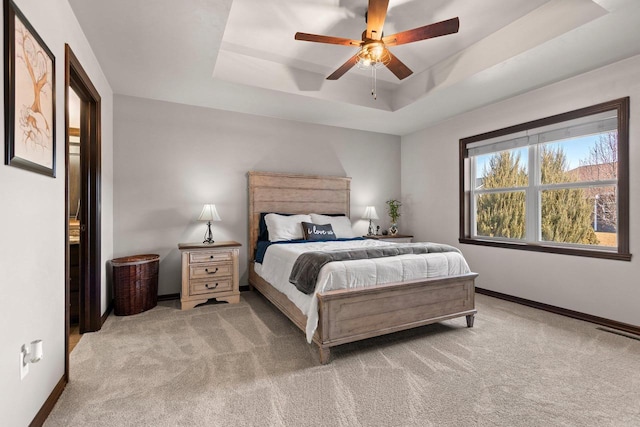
549,249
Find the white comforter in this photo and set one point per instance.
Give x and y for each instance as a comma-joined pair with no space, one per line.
279,259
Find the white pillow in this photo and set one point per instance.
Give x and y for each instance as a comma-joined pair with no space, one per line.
341,225
282,227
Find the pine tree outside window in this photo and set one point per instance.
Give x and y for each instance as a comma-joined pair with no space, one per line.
558,184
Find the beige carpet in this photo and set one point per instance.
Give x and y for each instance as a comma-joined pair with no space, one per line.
247,365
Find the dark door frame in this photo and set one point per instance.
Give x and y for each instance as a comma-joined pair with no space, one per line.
90,196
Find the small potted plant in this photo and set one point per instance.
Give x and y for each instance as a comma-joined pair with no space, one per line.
394,214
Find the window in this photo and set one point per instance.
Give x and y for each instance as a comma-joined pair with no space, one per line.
559,184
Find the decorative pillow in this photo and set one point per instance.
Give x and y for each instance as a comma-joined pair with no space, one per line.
283,227
341,225
318,232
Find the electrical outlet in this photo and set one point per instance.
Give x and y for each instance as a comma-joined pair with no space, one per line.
24,367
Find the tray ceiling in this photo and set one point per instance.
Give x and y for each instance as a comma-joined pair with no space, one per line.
241,55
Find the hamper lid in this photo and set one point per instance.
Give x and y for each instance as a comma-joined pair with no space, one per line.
134,260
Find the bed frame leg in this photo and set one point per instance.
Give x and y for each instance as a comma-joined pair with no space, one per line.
470,318
325,353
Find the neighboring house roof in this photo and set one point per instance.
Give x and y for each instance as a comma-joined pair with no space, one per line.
595,172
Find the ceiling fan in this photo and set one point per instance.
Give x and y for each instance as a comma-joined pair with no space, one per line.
373,50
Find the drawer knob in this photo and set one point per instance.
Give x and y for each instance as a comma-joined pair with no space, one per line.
211,272
210,287
211,257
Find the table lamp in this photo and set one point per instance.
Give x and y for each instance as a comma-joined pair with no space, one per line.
370,214
209,213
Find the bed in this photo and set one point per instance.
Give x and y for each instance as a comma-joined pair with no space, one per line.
347,315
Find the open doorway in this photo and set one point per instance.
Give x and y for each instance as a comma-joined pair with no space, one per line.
82,202
73,205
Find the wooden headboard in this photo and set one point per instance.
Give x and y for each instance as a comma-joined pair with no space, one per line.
295,194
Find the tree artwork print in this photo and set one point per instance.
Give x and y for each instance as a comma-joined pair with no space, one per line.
34,116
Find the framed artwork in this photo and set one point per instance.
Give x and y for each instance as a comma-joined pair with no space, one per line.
30,105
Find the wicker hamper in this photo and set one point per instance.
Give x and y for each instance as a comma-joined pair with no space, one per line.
135,283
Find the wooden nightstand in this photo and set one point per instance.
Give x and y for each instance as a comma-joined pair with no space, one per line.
209,271
398,238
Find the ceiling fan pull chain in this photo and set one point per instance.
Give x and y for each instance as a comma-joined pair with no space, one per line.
373,88
373,70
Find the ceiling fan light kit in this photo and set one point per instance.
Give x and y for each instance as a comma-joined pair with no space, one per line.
373,52
371,56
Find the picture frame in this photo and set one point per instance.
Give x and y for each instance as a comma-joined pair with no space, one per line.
30,104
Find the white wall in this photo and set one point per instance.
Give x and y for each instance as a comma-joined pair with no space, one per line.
170,159
32,241
430,191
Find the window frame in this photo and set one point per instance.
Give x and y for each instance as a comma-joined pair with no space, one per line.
467,205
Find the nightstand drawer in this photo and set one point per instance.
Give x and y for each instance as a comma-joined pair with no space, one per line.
206,271
210,286
398,240
210,256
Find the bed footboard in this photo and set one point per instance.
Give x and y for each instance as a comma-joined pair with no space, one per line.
349,315
352,315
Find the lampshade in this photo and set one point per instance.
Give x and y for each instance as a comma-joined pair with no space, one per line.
209,213
370,213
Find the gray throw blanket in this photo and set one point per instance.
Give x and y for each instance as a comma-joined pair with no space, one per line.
304,274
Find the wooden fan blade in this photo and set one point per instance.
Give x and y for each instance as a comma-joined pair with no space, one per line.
438,29
327,39
398,68
376,14
344,68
